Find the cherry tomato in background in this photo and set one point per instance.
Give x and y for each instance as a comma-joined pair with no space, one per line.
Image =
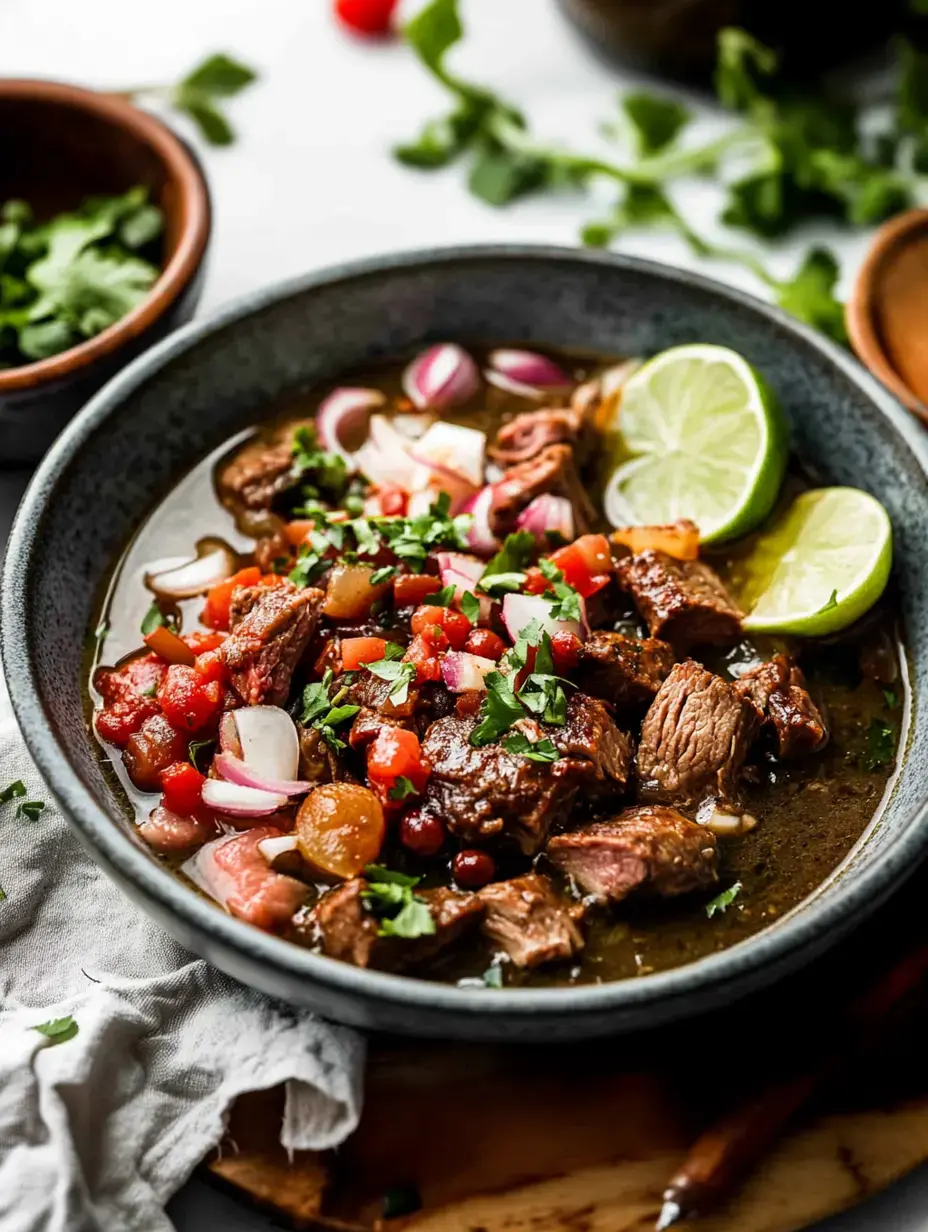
366,16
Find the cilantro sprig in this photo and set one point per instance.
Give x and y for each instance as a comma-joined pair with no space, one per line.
325,713
400,676
201,95
390,895
540,696
58,1030
723,901
30,810
879,747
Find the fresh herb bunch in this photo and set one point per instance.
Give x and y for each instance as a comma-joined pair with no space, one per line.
201,94
67,279
807,156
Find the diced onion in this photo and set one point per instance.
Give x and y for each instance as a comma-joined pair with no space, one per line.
234,770
268,740
453,449
480,537
343,411
520,610
195,577
444,375
238,801
548,515
457,562
463,672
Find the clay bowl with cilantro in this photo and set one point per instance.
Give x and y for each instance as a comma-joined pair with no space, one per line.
104,226
501,643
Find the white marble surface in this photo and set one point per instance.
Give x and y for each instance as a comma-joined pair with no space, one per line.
310,183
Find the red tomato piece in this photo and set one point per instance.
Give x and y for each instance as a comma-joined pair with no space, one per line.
138,677
586,563
455,625
409,589
421,652
435,638
212,666
392,501
200,641
396,752
565,650
486,643
154,747
118,722
535,581
365,16
356,651
189,702
182,785
216,613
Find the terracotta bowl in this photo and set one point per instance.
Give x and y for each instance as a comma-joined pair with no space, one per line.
61,144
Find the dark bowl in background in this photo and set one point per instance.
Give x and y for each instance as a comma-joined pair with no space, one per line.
59,145
214,378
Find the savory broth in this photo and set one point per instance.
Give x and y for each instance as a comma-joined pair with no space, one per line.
810,812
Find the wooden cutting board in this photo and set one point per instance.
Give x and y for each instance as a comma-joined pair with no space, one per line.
582,1138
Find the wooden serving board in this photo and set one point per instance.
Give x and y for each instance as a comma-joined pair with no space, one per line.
583,1138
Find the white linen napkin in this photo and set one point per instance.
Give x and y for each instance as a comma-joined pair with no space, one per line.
98,1131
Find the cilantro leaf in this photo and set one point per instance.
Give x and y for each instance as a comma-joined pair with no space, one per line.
379,873
724,900
657,120
414,919
433,32
324,713
809,294
499,709
153,619
196,748
400,675
309,567
880,745
891,698
540,750
383,575
13,791
58,1030
197,95
441,598
497,584
220,76
516,552
402,787
390,895
743,65
470,606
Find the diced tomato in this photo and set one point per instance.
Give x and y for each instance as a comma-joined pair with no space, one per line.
138,677
296,531
189,702
392,501
168,646
486,643
565,650
535,581
396,752
409,589
435,638
199,640
182,785
212,666
456,626
356,651
365,16
119,721
423,654
586,563
215,614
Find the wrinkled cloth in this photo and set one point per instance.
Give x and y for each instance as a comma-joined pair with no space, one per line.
98,1131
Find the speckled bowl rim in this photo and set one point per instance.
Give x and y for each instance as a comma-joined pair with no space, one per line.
810,928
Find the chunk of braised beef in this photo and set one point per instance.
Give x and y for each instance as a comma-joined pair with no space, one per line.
525,436
625,671
528,919
271,629
485,794
652,848
422,705
682,601
273,553
319,762
778,690
260,471
346,929
154,747
695,737
551,471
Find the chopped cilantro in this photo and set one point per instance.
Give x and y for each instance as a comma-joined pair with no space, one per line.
497,584
153,619
516,552
324,713
28,809
400,675
880,745
541,750
390,896
393,650
366,536
58,1030
196,748
13,791
441,598
379,873
322,475
724,900
402,788
498,711
309,567
383,575
891,699
470,606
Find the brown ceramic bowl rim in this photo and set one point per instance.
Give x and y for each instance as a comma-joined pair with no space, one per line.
859,314
178,272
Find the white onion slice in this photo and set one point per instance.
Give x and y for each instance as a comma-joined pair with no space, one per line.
269,741
462,584
548,515
463,672
480,537
343,410
239,801
444,375
470,567
521,610
195,577
234,770
451,448
384,458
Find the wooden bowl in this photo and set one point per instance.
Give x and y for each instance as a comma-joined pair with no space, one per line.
887,313
61,144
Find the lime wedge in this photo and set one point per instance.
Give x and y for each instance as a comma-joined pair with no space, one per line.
704,439
820,565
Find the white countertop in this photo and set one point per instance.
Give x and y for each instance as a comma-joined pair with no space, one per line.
311,183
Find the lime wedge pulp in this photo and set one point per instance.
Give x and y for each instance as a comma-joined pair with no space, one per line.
704,439
821,564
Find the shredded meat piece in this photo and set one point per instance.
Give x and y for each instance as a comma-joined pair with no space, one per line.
625,671
528,434
261,470
682,601
651,847
527,919
695,737
271,628
552,470
778,690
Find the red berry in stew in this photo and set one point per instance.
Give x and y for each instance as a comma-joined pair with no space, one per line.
422,833
473,869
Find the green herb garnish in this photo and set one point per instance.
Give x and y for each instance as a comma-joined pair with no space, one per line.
28,809
891,698
153,619
499,709
441,598
400,675
724,900
540,750
323,712
196,748
322,475
58,1030
200,95
390,896
383,575
880,745
497,584
470,606
402,788
516,552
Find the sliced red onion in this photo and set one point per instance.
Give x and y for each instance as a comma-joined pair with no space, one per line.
239,801
520,610
342,411
274,849
480,537
444,375
526,373
269,741
462,583
414,426
195,577
548,515
463,672
234,770
228,735
470,567
384,457
453,449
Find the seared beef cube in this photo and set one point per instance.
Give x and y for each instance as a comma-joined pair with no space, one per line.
695,737
778,690
682,601
651,847
527,919
259,471
486,793
268,641
623,670
553,471
347,929
528,434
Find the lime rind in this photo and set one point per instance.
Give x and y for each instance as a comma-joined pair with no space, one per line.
823,563
707,442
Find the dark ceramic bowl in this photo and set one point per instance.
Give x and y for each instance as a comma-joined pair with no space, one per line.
210,380
60,145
